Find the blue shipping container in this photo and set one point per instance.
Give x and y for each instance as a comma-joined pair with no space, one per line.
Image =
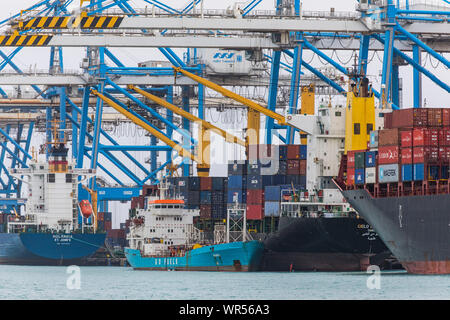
433,173
407,172
360,176
419,171
205,197
235,182
272,209
303,152
272,193
370,159
279,179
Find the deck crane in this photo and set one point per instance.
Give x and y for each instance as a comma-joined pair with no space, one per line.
254,111
205,128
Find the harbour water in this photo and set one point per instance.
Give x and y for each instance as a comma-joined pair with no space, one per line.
122,283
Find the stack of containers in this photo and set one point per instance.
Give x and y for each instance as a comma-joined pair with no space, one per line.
237,182
406,154
116,237
360,165
350,168
205,186
388,155
101,220
296,164
107,217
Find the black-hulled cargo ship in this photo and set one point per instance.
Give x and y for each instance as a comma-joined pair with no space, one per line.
408,205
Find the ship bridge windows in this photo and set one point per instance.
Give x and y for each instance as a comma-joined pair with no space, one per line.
356,128
51,178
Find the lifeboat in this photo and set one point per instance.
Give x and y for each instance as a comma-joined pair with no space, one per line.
86,208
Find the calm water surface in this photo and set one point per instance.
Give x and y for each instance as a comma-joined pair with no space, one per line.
25,282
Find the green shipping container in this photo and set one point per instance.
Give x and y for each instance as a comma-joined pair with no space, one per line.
360,159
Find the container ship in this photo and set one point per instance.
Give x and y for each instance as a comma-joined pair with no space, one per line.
49,232
162,236
303,219
406,195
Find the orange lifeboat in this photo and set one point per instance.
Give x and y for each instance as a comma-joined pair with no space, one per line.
86,208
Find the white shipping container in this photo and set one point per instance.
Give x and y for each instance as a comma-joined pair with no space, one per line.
225,61
388,173
371,175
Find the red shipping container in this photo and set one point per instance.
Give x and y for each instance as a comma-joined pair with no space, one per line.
302,167
444,137
406,156
205,211
434,117
425,137
388,154
388,137
444,153
425,154
293,167
445,117
350,176
293,151
108,225
351,159
411,117
406,138
255,196
255,212
388,120
205,183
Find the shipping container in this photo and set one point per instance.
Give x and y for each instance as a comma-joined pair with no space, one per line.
272,193
425,137
388,173
279,179
445,172
407,172
218,211
218,197
219,183
360,160
408,118
351,159
205,183
359,176
371,175
282,167
444,137
205,211
433,172
236,182
445,117
302,168
425,154
272,209
388,154
255,211
255,196
259,181
303,152
373,140
237,168
444,154
293,167
388,120
350,176
107,216
193,197
107,225
388,137
406,138
282,152
293,151
419,172
205,197
434,117
406,155
194,183
370,159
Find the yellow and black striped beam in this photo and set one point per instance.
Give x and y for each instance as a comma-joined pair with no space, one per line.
24,40
93,22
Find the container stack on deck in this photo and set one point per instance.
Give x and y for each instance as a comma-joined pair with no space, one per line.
411,153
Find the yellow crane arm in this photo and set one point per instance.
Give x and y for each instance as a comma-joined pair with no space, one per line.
228,137
183,152
230,94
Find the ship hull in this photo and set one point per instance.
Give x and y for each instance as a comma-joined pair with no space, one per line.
416,228
323,244
234,256
47,249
